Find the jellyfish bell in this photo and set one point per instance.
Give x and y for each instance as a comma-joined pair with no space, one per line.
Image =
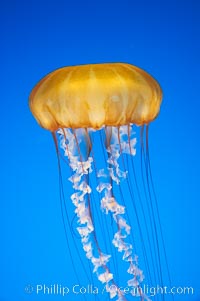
94,96
75,104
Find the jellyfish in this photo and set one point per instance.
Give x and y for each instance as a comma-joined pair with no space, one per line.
95,114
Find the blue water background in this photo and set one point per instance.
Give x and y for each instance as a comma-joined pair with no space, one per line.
37,37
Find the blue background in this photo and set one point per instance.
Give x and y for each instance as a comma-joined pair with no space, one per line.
37,37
